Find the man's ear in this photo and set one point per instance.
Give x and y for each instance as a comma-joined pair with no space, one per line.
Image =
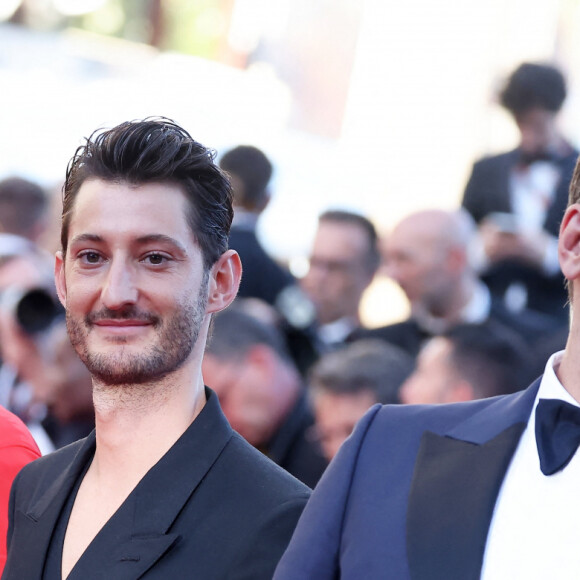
59,278
263,361
224,281
569,243
456,259
461,391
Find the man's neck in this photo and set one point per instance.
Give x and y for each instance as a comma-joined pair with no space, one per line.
338,330
452,310
137,424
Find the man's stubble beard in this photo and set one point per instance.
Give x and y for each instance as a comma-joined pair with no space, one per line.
176,338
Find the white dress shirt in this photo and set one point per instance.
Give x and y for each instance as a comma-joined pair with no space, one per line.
535,528
532,192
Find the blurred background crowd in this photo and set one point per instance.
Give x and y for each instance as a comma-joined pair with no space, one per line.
399,173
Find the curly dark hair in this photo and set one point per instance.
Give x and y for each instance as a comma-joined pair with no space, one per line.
158,150
534,85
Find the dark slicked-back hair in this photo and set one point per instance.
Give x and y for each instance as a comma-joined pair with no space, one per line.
534,85
372,256
157,150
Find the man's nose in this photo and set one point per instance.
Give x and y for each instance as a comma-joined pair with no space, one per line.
120,286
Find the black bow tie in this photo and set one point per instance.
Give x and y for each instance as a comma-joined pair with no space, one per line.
557,434
527,159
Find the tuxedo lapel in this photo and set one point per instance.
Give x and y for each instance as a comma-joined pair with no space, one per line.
40,518
456,480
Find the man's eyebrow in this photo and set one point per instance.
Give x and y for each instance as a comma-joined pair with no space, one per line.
141,240
86,238
162,238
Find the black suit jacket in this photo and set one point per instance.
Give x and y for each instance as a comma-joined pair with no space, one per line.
528,325
262,277
488,188
411,493
212,508
293,448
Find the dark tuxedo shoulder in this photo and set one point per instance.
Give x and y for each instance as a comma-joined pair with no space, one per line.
491,162
487,189
402,426
36,477
530,325
436,418
249,470
406,335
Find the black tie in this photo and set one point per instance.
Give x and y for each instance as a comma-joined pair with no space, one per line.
557,434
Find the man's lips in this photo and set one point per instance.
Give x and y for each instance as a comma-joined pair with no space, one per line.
123,322
121,326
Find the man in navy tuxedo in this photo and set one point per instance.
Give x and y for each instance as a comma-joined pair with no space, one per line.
484,489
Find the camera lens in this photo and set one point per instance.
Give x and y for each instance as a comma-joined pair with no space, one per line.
36,311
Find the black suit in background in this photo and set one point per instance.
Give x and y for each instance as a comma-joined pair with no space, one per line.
262,277
293,448
212,507
408,335
265,279
488,191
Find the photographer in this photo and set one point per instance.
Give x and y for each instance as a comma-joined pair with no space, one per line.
27,308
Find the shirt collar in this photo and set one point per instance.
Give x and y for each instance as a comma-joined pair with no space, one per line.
337,331
551,387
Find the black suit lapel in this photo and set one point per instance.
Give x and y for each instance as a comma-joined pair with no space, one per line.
139,534
36,524
456,480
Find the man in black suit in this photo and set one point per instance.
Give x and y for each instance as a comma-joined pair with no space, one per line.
477,490
519,197
261,392
432,256
163,488
250,172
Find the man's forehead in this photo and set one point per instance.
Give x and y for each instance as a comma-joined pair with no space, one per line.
409,238
148,210
335,237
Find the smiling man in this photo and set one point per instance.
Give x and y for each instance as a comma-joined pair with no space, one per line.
163,488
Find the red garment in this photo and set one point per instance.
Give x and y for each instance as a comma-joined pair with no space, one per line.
17,448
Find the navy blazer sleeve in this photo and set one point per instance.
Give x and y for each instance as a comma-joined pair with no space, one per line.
314,550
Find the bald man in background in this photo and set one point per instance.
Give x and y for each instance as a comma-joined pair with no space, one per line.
432,256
